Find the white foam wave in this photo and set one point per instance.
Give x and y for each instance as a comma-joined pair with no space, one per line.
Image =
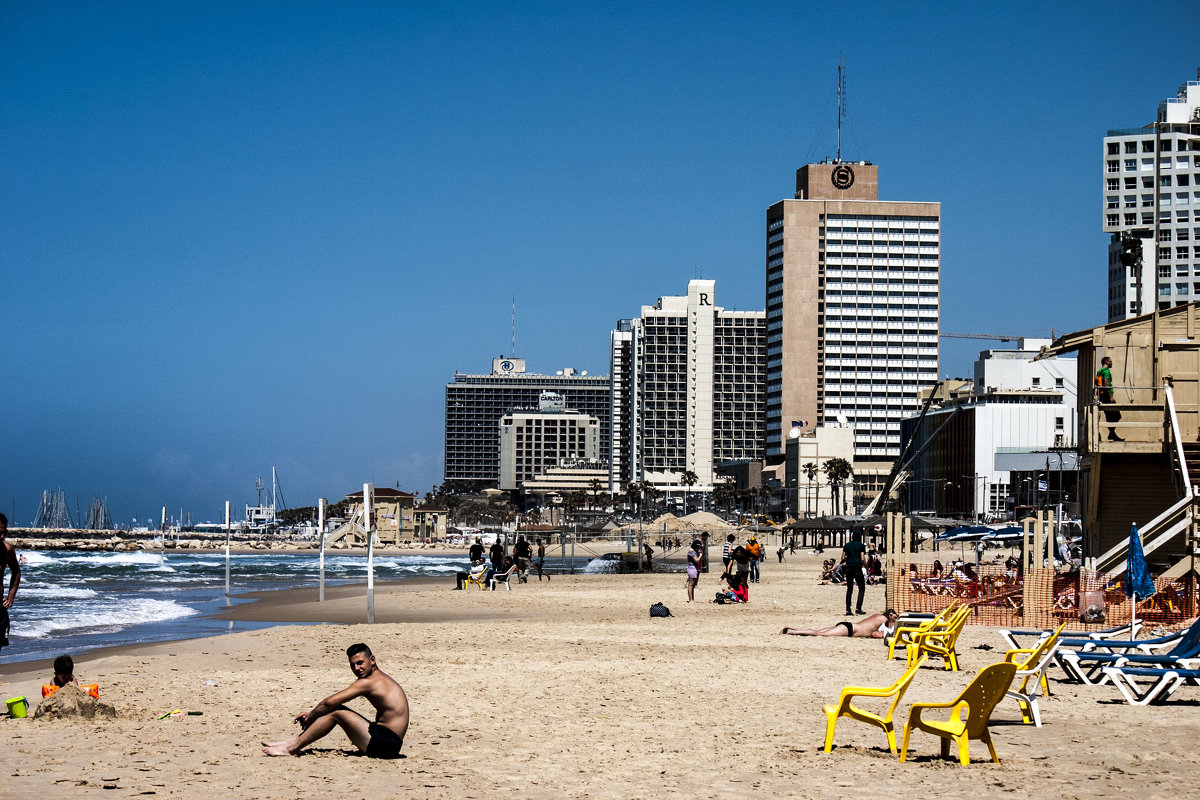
55,592
118,559
109,616
599,566
34,559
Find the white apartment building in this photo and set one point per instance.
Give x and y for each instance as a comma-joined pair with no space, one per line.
1152,192
1020,411
687,390
853,289
533,441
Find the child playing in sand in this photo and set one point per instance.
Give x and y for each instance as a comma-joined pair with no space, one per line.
64,673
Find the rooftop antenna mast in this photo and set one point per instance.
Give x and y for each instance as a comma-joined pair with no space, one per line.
513,351
841,98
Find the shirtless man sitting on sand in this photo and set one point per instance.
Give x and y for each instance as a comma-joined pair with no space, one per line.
874,626
382,738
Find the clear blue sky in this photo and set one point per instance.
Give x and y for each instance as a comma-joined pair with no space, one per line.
237,235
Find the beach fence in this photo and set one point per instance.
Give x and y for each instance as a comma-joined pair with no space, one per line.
1029,593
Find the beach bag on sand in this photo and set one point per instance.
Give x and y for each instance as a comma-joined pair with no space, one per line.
659,610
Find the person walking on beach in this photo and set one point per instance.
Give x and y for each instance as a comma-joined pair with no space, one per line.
10,563
496,554
541,560
693,570
756,556
521,553
852,568
726,551
382,738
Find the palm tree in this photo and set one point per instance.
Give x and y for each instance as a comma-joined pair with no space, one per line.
688,479
596,485
651,492
810,470
838,471
764,498
724,495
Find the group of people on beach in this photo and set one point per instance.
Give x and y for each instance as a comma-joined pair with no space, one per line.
499,562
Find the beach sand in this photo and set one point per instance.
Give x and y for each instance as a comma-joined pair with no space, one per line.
569,689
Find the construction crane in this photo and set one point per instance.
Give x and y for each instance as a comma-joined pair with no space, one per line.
999,337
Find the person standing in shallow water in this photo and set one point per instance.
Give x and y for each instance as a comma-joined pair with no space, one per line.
382,738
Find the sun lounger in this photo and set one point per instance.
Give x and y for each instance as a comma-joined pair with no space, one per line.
1089,667
1121,631
1144,685
1130,646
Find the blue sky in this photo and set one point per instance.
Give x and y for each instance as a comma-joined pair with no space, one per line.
237,235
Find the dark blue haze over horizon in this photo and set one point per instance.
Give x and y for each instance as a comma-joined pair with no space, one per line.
237,235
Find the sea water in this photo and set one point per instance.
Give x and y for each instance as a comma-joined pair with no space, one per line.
70,602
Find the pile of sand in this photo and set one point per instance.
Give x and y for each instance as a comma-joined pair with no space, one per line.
71,701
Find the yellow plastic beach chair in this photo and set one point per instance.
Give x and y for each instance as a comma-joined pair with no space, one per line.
481,581
978,699
1032,664
940,642
846,708
904,633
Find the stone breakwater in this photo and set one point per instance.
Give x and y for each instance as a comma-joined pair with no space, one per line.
123,542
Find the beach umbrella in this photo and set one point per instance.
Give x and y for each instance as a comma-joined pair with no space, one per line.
1138,582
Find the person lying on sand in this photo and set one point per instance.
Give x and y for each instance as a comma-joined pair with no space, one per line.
382,738
873,626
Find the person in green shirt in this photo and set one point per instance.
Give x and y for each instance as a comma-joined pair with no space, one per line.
1104,394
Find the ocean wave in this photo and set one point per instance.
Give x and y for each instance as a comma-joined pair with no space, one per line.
599,566
35,559
110,616
54,592
117,559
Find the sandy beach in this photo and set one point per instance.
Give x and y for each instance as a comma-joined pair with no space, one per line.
569,689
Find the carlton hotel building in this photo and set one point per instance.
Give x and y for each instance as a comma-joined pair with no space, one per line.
852,305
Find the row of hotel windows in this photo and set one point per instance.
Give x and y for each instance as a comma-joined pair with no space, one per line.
1147,201
1148,146
1114,184
908,221
1164,218
1147,164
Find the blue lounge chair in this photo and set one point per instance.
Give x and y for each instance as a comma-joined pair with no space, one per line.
1123,631
1130,646
1144,685
1089,667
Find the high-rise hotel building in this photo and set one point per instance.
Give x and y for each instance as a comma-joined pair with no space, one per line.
853,288
1152,192
687,390
475,405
